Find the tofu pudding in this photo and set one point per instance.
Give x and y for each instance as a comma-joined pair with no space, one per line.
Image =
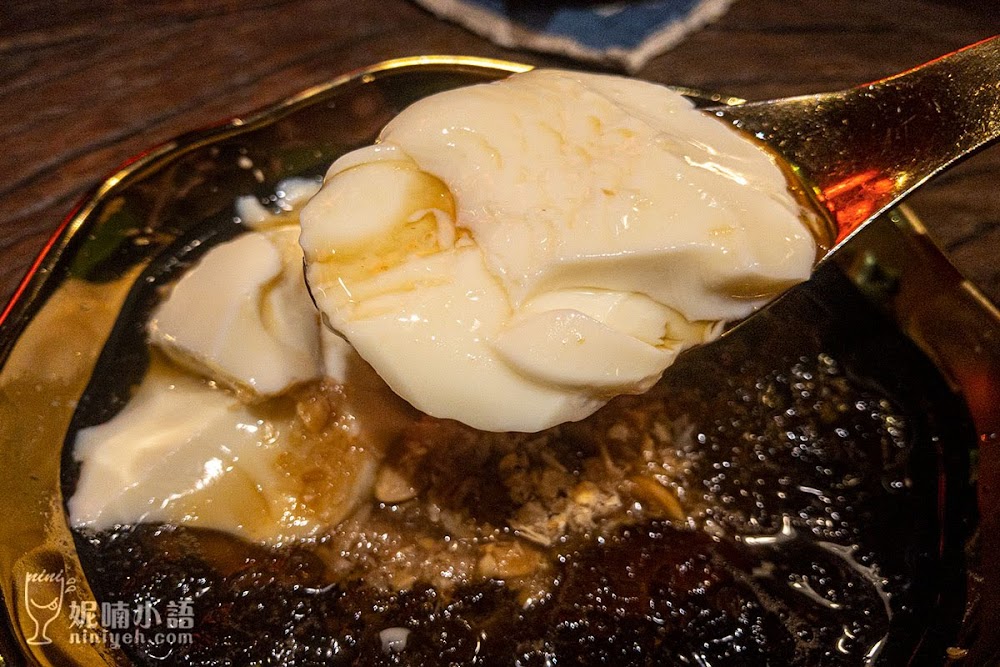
512,255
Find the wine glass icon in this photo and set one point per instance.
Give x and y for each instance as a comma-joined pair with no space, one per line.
43,600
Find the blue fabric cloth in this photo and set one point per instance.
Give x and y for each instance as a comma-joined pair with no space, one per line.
622,33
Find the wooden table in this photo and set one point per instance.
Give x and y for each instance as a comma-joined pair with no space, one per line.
84,84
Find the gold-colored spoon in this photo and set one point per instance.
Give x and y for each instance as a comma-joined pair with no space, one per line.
864,149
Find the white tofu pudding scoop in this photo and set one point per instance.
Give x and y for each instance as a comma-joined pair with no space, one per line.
513,255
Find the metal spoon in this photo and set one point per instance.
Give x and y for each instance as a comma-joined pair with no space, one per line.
864,149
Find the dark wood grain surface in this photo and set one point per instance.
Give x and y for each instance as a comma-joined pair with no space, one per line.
84,84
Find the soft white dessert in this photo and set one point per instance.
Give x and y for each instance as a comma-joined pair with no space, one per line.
211,448
242,316
183,452
513,255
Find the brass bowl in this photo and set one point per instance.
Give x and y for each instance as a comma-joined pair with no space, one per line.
55,329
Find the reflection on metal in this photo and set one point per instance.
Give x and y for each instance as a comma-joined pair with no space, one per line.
865,148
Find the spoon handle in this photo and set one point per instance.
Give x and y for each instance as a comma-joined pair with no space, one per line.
865,148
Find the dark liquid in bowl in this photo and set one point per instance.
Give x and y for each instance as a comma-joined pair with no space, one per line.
829,460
